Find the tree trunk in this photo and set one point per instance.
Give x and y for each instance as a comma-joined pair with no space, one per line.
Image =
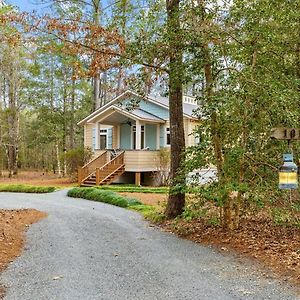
96,79
72,117
65,121
58,160
176,200
97,99
12,122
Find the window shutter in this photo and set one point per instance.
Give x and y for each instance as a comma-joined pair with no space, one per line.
109,138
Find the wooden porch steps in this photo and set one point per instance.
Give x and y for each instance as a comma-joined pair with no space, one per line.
105,174
91,181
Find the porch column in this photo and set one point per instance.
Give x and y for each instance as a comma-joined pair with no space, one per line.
118,136
138,134
97,135
157,136
138,178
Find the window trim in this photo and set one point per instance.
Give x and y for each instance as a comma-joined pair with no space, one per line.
167,132
103,132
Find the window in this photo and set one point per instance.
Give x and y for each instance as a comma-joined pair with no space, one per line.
103,139
168,137
142,137
197,134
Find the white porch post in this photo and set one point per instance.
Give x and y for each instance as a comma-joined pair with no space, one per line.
138,134
118,136
157,136
97,135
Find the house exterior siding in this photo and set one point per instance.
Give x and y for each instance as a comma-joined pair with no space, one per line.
150,140
189,127
88,135
149,107
125,136
141,160
157,110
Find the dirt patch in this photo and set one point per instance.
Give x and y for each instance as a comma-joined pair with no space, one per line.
13,224
38,178
276,247
148,198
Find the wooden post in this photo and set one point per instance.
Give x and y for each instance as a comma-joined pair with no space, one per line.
138,178
138,133
79,175
157,136
97,176
118,136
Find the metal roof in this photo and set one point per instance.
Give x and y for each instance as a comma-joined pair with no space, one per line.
188,108
142,114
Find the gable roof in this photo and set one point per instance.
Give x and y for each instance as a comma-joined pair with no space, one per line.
141,114
188,109
136,114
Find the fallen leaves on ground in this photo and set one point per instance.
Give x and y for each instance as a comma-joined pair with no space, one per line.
13,224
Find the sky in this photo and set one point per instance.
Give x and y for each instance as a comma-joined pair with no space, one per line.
28,5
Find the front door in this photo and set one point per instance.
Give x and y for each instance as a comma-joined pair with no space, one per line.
142,137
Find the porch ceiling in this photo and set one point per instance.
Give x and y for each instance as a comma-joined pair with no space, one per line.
115,118
116,115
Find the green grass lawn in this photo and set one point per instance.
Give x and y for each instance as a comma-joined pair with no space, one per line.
22,188
134,189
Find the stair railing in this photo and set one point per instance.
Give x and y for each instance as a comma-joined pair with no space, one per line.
89,168
109,168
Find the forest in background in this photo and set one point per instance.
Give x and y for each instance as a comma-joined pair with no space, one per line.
241,59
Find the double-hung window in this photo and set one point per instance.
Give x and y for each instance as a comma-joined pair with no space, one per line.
103,139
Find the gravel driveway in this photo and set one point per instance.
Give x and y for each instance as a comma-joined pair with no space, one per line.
87,250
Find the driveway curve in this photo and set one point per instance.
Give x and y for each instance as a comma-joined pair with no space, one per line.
87,251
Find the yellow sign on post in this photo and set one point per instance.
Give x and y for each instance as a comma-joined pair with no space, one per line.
288,173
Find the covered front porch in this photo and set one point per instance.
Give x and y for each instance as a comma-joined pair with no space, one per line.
134,130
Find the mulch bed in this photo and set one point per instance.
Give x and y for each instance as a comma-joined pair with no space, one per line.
13,224
277,247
